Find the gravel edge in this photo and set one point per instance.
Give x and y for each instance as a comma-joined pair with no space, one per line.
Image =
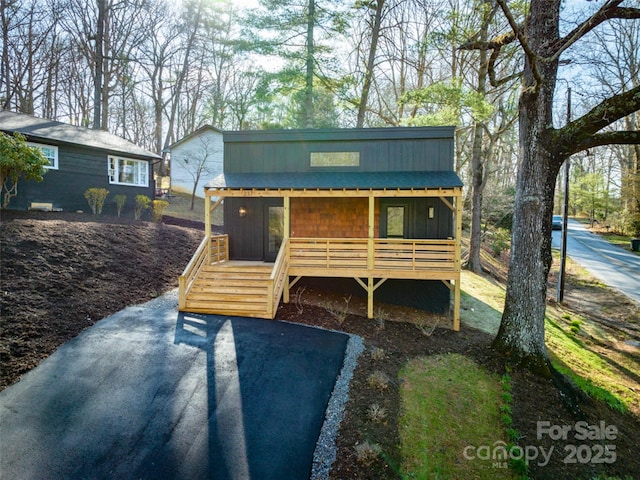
326,448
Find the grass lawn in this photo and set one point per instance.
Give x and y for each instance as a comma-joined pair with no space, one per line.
450,403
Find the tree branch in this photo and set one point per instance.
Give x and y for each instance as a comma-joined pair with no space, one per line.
495,46
582,132
628,137
608,11
531,56
492,71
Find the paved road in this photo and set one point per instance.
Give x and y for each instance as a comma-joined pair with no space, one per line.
149,393
610,264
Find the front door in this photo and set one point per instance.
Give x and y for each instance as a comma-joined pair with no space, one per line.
274,231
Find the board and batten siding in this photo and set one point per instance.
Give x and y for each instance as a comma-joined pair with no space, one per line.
380,150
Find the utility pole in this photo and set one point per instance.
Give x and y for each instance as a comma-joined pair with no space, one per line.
565,213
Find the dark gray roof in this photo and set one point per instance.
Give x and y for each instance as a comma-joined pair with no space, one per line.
57,132
342,180
339,134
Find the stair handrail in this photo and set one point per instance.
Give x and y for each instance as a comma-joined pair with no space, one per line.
277,278
191,271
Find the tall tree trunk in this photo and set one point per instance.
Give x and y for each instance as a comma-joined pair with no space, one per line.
477,163
521,334
98,66
5,71
371,60
107,73
175,100
308,96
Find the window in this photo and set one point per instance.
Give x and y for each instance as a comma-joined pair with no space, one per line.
125,171
395,222
50,153
335,159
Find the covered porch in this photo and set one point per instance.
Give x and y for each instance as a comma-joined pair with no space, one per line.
215,282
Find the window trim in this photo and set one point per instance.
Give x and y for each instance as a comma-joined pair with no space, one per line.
40,146
112,172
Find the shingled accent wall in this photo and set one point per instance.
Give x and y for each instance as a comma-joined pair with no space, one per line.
332,217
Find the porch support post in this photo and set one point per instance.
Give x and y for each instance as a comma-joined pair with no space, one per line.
286,202
458,261
207,215
370,254
370,290
370,243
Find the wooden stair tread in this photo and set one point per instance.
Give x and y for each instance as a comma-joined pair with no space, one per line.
231,289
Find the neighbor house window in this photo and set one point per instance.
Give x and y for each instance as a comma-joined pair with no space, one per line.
125,171
50,153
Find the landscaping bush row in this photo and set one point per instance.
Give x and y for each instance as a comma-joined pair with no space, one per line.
96,198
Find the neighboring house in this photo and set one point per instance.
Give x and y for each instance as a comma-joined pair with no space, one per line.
79,159
195,159
373,210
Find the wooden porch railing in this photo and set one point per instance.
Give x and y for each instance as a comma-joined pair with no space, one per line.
414,255
211,250
219,249
384,254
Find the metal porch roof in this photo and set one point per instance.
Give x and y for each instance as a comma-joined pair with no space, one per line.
336,180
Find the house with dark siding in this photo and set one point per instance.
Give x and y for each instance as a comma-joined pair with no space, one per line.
374,211
80,158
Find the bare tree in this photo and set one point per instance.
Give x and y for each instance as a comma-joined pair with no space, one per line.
543,149
376,25
26,62
106,36
198,162
615,55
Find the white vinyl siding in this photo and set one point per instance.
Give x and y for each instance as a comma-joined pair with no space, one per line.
126,171
50,152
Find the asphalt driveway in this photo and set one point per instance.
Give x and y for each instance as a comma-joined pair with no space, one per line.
152,394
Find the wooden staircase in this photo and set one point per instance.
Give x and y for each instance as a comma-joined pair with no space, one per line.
211,283
232,288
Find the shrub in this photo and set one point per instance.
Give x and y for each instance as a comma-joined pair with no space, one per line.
575,326
426,329
142,203
96,197
634,225
500,242
340,313
119,200
158,209
298,300
380,318
376,413
18,161
378,380
367,453
377,354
